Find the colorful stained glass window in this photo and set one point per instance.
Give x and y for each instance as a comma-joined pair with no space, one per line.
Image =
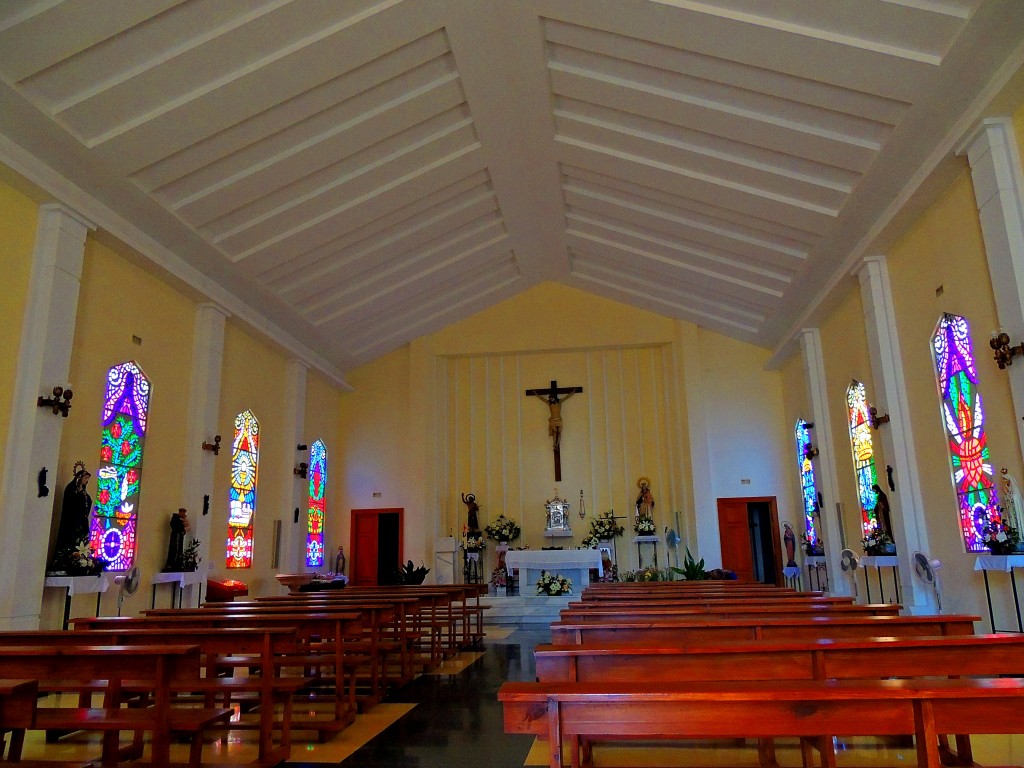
315,512
245,459
808,487
964,420
863,455
114,519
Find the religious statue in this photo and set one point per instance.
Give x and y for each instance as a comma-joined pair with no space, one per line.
1013,504
882,514
339,561
644,500
550,397
176,544
472,508
73,527
790,540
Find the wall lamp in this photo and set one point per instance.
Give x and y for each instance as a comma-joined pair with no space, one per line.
875,420
213,447
302,470
810,452
1004,353
60,402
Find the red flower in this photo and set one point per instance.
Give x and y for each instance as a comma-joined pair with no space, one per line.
116,429
126,448
106,454
104,496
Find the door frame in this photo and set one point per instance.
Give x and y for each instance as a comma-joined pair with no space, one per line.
365,514
773,511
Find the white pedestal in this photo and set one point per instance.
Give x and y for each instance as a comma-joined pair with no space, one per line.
574,564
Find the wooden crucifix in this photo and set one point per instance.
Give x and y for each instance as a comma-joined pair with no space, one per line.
551,399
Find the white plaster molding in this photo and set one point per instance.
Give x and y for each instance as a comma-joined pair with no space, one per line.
897,437
825,471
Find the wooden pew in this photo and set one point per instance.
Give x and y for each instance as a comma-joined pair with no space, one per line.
155,665
762,709
710,629
17,713
636,612
262,647
626,601
322,637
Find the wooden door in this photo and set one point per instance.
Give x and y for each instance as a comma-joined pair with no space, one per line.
367,547
734,535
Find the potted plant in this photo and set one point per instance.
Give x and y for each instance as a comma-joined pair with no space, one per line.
1001,538
499,580
190,557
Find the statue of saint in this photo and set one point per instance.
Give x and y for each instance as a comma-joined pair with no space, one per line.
339,561
790,540
644,500
472,508
176,545
74,513
882,514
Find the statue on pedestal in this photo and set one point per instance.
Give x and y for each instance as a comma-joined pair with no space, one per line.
176,544
472,510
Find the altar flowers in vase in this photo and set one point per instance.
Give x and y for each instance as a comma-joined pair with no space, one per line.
553,585
644,527
503,530
602,528
472,541
1001,538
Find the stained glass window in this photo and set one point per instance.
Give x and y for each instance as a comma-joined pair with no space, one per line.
113,522
964,420
808,487
315,512
863,454
245,459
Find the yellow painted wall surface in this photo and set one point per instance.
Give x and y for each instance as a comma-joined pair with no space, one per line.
944,254
253,379
845,350
18,217
796,405
118,301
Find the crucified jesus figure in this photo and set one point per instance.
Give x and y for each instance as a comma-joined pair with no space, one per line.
555,419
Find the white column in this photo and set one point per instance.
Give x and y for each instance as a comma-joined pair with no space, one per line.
199,466
825,462
705,499
293,534
34,434
999,192
896,437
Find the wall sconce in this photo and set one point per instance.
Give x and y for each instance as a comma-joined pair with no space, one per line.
875,420
60,402
214,447
302,470
301,447
810,452
1004,353
583,509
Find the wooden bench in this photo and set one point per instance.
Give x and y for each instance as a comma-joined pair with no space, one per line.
583,712
155,666
263,648
701,629
17,713
636,612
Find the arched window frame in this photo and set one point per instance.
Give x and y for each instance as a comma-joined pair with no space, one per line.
963,419
316,509
245,459
863,451
113,521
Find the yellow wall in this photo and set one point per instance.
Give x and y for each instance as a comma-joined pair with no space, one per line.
253,379
18,217
118,301
944,250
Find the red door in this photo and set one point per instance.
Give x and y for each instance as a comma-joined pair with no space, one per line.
364,548
734,534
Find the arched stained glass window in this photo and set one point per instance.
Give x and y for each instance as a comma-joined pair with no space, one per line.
245,459
863,454
964,420
113,522
808,487
315,513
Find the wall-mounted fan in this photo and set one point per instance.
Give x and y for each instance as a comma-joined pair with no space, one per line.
129,582
926,569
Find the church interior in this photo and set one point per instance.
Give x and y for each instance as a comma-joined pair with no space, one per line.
324,290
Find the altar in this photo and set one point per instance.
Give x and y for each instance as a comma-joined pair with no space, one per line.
574,564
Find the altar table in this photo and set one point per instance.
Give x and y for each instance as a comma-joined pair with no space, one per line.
574,564
1006,564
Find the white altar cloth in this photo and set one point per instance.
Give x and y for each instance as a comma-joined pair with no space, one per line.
574,564
998,562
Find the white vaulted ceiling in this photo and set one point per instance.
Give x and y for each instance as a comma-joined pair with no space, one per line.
362,172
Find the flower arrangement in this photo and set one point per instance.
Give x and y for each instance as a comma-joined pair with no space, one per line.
499,577
878,542
811,548
190,557
472,541
650,573
504,529
1001,538
602,528
644,526
553,585
79,560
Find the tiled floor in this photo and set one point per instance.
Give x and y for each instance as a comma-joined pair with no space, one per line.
451,718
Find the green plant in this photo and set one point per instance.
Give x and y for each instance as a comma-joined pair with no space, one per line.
692,570
190,557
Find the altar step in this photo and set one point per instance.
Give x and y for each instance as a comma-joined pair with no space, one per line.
523,610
